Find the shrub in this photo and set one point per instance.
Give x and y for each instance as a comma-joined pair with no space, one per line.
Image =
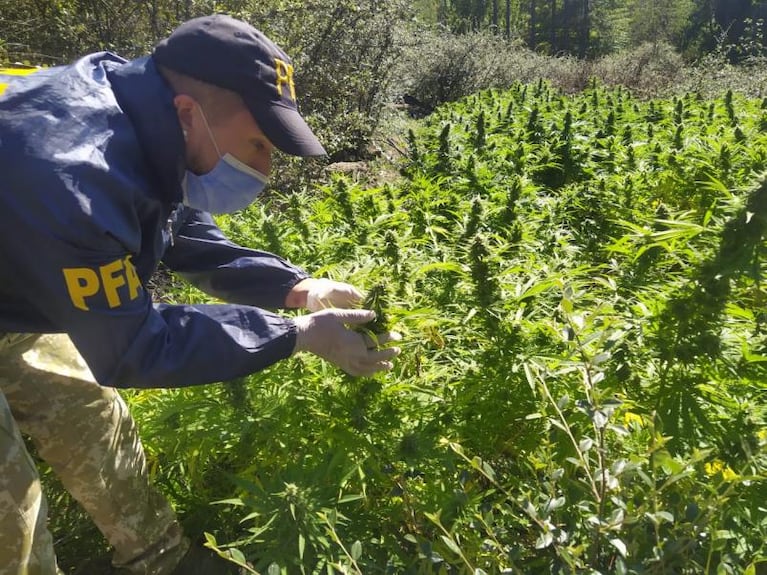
343,51
344,54
441,67
647,70
714,74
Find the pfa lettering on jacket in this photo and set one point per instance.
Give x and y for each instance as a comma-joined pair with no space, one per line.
115,282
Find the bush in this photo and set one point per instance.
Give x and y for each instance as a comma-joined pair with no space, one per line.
343,51
442,67
714,75
648,70
344,57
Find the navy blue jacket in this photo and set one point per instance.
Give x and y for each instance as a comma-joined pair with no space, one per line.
91,160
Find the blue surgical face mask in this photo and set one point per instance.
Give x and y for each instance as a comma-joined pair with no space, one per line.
230,186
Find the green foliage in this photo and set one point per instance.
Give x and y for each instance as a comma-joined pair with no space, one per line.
581,387
344,54
377,300
658,20
592,28
353,57
438,67
578,280
343,51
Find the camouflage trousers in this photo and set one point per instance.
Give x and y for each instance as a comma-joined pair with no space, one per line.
86,434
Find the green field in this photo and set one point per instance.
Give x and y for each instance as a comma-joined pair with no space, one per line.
578,282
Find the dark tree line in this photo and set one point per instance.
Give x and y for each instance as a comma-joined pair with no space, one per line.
596,27
43,30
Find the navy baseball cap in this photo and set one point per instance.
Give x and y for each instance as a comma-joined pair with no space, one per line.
232,54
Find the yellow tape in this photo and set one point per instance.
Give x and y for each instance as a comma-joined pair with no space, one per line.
17,71
14,72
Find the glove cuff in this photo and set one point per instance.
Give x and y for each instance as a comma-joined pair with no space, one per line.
302,328
313,303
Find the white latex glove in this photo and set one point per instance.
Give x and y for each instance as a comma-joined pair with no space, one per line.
325,333
324,293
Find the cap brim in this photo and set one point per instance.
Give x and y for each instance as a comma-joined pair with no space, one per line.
287,130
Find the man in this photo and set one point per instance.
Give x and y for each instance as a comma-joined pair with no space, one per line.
110,167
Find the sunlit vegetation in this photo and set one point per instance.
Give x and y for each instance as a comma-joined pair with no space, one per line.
579,283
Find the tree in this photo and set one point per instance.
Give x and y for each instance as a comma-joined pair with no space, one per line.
731,15
471,13
585,29
659,20
343,50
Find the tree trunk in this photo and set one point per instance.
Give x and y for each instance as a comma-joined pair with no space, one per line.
154,20
731,16
568,21
585,28
553,23
533,24
508,19
495,16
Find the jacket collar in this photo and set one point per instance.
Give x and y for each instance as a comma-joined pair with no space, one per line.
148,101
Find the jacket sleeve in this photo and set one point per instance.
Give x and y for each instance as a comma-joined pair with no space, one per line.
96,297
205,257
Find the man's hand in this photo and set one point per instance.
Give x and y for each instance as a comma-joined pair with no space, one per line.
316,294
325,333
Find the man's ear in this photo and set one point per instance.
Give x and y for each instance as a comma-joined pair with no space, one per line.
184,110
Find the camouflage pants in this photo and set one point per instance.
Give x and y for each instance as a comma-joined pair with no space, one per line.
85,432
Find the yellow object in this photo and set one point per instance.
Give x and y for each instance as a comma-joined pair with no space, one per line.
716,466
84,283
14,72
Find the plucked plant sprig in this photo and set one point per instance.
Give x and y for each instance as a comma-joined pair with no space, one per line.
376,299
